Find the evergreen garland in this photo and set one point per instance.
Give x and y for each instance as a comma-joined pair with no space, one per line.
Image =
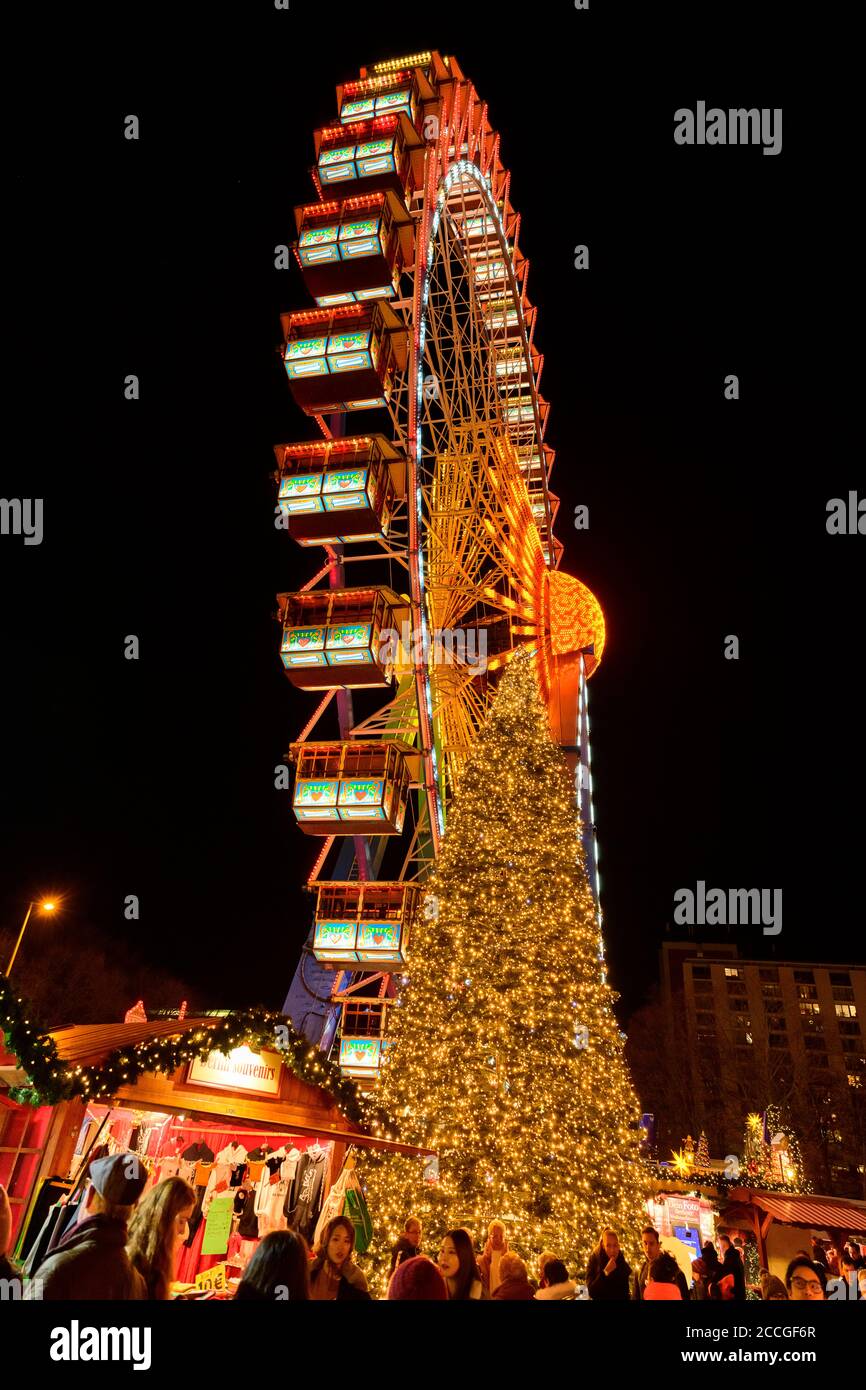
49,1079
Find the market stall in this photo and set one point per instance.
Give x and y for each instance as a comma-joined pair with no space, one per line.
260,1143
783,1223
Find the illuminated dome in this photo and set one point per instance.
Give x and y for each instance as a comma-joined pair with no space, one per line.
576,619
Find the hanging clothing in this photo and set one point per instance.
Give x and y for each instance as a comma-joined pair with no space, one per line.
346,1199
309,1183
275,1189
198,1153
169,1167
196,1219
333,1203
232,1157
245,1207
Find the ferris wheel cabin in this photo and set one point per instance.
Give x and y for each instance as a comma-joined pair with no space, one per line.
339,490
340,637
356,787
364,923
344,358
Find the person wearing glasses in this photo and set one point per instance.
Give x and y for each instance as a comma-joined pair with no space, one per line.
805,1279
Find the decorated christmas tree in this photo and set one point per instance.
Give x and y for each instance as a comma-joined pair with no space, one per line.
754,1147
702,1157
772,1152
507,1059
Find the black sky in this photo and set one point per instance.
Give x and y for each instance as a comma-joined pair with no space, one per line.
707,516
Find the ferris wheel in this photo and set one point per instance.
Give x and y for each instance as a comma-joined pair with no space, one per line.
436,522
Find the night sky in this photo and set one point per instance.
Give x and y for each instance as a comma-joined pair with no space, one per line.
707,517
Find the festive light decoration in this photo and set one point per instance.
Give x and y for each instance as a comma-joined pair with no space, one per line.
576,619
490,1064
772,1156
51,1080
397,64
683,1162
702,1157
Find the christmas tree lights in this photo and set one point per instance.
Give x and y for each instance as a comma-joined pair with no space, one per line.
507,1058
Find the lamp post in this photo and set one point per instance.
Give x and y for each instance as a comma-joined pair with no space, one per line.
47,905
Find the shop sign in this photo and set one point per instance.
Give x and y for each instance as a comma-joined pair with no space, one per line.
241,1070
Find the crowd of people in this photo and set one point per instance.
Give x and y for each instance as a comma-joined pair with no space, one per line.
123,1245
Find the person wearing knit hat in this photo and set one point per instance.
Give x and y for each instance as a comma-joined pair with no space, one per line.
419,1280
91,1260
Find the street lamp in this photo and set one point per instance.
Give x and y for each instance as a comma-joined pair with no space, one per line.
47,905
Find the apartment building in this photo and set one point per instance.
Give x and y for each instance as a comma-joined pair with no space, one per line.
787,1032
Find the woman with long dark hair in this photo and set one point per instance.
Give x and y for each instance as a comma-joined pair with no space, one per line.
158,1228
278,1270
333,1273
458,1266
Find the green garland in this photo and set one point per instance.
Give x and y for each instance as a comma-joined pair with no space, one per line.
34,1050
49,1079
721,1184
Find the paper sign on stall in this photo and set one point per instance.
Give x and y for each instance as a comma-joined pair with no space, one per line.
213,1278
218,1227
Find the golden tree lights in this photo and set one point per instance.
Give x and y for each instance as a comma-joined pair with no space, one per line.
507,1058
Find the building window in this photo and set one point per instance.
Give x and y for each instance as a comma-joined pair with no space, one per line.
808,1009
855,1082
768,972
840,977
849,1027
807,991
700,972
732,972
852,1044
778,1040
705,1020
843,992
846,1010
815,1044
773,1006
703,986
820,1059
804,977
771,991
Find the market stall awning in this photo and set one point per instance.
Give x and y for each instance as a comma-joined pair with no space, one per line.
823,1212
90,1042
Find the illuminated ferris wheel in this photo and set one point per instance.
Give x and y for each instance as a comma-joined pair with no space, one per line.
436,523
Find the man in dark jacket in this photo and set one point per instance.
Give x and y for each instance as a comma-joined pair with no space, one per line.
608,1275
649,1239
731,1264
91,1260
